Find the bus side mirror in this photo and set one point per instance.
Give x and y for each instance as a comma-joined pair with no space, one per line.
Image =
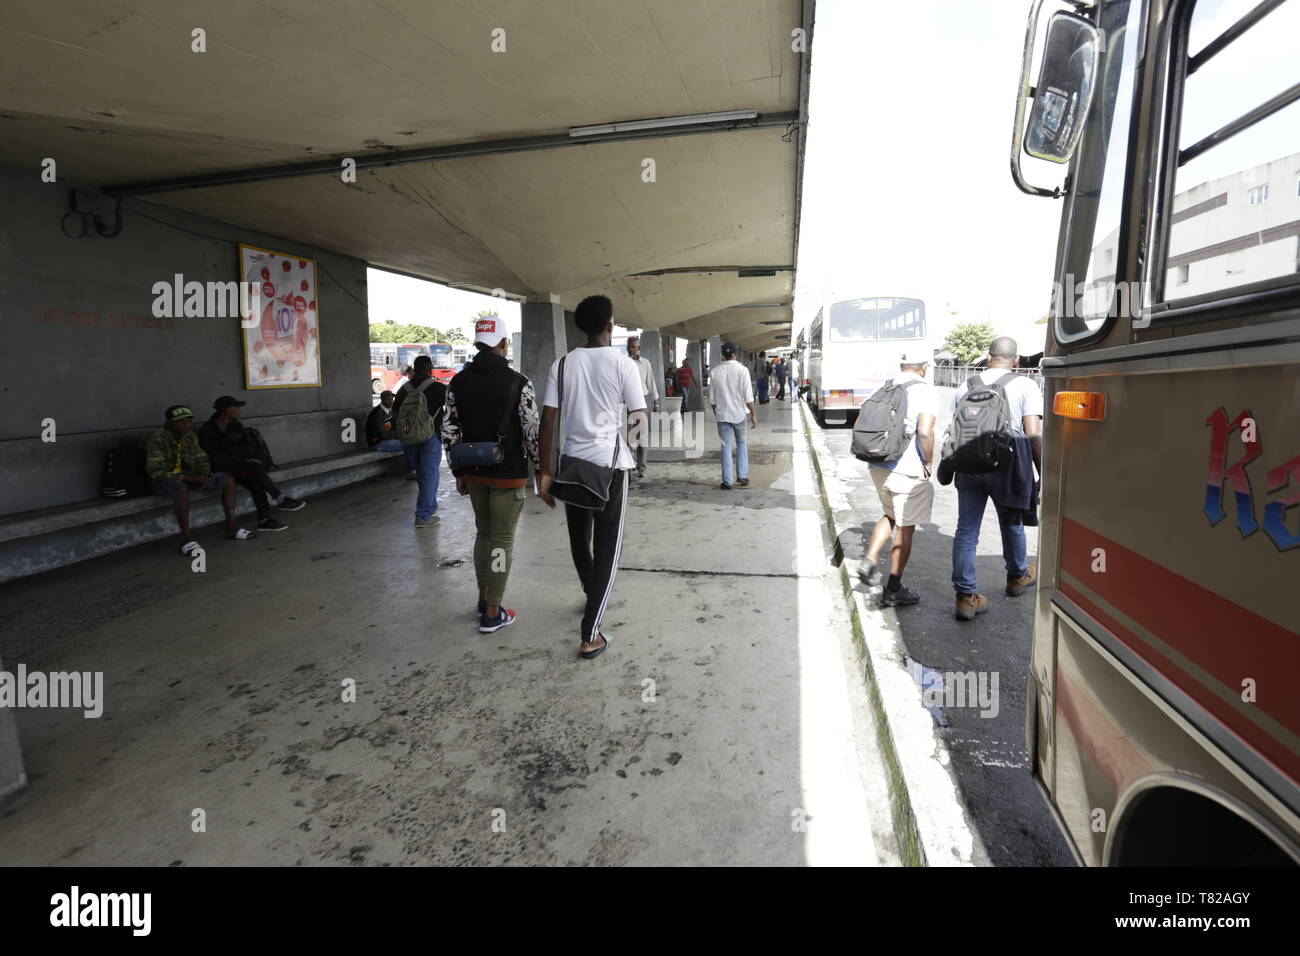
1066,80
1061,100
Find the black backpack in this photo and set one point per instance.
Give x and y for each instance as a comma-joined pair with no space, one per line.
124,475
880,433
260,450
979,440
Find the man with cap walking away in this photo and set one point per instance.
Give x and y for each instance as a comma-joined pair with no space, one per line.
651,391
175,462
488,402
232,448
903,485
732,399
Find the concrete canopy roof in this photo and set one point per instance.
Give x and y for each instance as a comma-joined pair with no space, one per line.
114,92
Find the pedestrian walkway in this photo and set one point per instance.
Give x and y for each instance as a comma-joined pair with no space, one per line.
725,725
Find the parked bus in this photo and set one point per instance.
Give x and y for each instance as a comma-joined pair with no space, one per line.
852,347
387,359
1163,723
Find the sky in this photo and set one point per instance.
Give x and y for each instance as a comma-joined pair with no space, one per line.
907,190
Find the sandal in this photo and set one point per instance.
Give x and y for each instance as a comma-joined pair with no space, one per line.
593,654
243,534
189,546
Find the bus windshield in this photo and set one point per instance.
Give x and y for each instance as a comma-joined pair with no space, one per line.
877,319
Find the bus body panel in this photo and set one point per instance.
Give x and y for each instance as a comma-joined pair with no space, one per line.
1164,596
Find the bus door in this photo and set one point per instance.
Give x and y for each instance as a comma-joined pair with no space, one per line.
1162,724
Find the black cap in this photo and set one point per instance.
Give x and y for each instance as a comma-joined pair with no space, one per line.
729,349
227,401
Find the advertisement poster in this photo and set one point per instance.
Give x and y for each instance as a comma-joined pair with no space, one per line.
282,349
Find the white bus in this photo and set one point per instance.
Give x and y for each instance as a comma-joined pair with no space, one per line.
852,347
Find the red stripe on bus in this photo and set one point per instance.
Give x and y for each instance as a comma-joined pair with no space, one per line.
1224,639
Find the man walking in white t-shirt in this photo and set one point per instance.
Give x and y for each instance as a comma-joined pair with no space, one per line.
731,395
1025,403
651,391
906,494
599,382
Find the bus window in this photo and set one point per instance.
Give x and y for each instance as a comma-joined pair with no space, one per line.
1090,264
872,320
1233,219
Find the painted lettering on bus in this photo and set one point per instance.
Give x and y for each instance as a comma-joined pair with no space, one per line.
1288,473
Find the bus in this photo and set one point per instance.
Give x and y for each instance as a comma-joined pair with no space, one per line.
1162,721
387,359
852,347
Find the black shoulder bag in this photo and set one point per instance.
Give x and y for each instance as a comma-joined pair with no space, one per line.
578,482
485,454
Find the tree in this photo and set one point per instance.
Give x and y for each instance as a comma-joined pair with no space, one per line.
969,341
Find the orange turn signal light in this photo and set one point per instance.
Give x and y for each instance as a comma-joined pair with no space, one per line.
1081,406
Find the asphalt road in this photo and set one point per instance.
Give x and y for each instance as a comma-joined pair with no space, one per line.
988,752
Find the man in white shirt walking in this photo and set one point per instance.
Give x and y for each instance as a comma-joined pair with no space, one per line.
651,391
599,382
731,395
906,494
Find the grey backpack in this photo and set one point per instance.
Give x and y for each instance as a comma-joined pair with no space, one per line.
414,423
880,433
979,440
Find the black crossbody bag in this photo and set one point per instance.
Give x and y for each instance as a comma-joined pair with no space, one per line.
485,454
579,482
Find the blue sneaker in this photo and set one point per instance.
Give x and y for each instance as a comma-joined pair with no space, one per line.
505,617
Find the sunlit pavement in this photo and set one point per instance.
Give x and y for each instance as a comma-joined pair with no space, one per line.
724,726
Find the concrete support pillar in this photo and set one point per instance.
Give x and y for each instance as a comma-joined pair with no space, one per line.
715,350
12,775
695,355
573,336
544,340
652,351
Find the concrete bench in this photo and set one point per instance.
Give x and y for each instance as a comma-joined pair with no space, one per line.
36,541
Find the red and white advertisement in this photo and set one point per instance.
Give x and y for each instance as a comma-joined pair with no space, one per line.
282,347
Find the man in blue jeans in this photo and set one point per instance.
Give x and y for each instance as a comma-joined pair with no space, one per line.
731,394
1025,401
424,459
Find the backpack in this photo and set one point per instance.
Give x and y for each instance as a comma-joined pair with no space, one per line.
979,439
415,425
124,475
880,433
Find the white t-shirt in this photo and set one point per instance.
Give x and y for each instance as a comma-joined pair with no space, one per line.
922,399
730,391
598,383
1024,397
647,378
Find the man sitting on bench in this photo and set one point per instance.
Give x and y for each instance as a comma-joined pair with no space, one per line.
231,448
175,463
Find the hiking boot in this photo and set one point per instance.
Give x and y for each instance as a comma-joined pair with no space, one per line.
903,597
505,617
1018,586
968,605
270,524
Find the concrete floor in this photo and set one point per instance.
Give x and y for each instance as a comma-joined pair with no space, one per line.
224,691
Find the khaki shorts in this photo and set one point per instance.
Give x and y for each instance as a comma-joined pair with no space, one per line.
907,500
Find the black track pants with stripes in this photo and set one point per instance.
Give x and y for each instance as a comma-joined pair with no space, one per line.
596,541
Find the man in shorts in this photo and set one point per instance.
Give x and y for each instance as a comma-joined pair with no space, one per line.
175,462
906,493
